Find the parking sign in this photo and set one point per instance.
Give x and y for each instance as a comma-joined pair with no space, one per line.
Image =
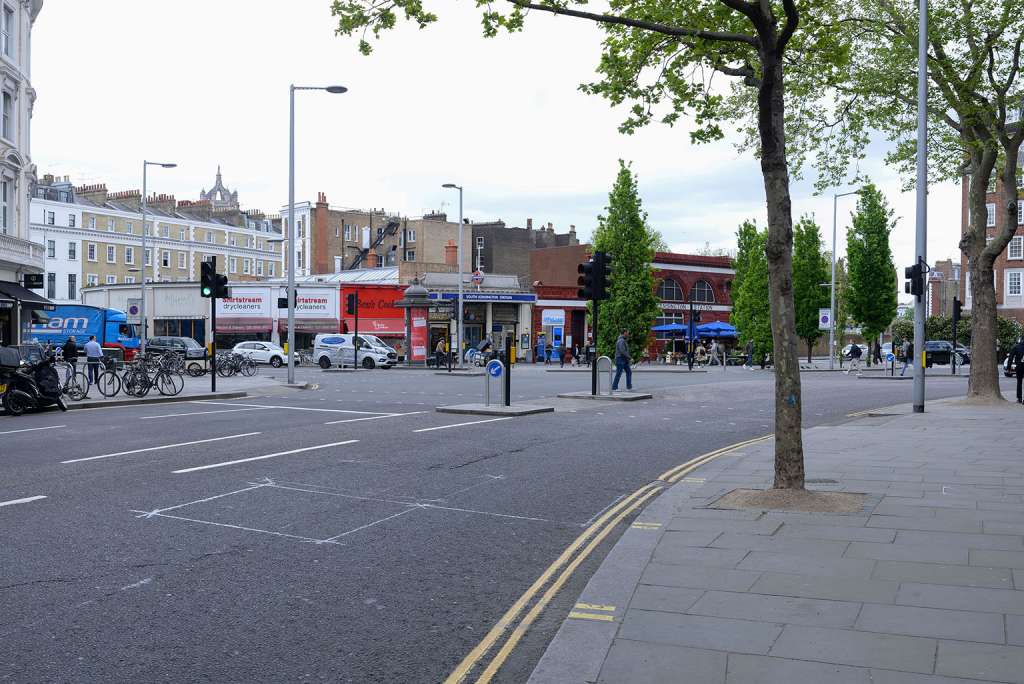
824,319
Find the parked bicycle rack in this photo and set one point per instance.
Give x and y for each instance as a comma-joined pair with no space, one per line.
488,375
610,367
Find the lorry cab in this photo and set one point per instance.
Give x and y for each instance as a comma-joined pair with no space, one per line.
110,326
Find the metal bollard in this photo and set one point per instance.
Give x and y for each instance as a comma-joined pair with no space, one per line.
611,366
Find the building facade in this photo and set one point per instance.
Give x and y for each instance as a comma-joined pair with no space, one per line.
497,248
92,237
1008,266
943,286
19,254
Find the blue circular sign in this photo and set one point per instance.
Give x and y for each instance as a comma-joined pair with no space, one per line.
890,357
494,369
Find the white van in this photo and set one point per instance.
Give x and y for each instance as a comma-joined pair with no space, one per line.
335,349
378,343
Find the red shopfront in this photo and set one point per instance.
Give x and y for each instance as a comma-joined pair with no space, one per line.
378,314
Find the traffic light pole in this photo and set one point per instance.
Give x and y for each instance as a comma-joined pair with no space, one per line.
922,197
213,330
355,338
593,360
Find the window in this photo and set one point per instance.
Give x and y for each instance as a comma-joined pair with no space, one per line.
92,222
51,285
1020,212
4,199
412,237
380,233
181,234
209,237
165,259
181,259
701,292
111,280
111,254
231,240
337,231
50,218
72,251
128,227
8,32
1013,283
90,251
72,286
51,249
129,255
92,280
669,291
480,243
129,280
990,215
348,231
233,264
270,268
149,257
301,260
71,220
165,230
410,255
6,129
1016,248
245,266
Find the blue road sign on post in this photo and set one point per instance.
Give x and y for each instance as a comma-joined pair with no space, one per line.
494,368
890,357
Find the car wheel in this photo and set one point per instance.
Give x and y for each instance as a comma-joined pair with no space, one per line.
368,363
276,362
324,362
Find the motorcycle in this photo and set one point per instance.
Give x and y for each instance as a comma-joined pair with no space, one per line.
34,385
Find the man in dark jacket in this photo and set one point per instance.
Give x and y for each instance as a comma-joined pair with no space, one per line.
622,362
70,351
1017,357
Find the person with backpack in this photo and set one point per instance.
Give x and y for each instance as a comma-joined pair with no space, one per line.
855,354
908,357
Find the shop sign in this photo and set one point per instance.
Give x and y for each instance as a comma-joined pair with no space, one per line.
486,297
673,306
552,317
419,336
247,303
314,302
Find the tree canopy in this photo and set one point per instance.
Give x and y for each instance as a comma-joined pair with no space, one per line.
750,311
811,268
872,275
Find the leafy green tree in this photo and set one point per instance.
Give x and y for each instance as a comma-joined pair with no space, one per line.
842,315
750,311
625,234
811,268
664,61
872,286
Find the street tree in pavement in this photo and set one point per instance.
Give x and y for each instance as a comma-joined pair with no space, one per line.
974,101
811,268
624,234
842,316
751,315
666,60
871,291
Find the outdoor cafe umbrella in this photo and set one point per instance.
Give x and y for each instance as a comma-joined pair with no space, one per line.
716,329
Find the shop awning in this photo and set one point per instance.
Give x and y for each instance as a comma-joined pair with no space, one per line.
244,325
15,292
378,326
310,325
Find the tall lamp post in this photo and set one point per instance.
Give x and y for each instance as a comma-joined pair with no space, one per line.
832,305
337,90
142,307
921,233
461,331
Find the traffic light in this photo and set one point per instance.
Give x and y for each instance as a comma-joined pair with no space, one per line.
220,286
208,271
957,308
915,277
586,281
603,281
351,304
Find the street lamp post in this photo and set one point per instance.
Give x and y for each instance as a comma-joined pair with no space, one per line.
461,331
142,306
921,236
335,89
832,304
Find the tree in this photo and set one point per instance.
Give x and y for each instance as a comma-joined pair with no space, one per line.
842,313
974,99
750,311
624,234
872,286
659,54
811,268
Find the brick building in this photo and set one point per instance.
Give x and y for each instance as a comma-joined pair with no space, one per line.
497,248
1009,266
943,286
558,314
683,278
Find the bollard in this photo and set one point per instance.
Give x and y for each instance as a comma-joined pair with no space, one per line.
597,373
492,367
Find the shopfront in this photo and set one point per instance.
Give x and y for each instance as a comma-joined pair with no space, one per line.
19,309
246,315
316,312
496,316
378,314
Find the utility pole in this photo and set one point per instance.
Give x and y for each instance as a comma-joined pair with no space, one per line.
922,197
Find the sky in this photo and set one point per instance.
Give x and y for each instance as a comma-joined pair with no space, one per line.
203,84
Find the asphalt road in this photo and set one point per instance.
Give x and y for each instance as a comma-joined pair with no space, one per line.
348,533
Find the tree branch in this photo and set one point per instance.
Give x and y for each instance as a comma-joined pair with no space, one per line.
792,21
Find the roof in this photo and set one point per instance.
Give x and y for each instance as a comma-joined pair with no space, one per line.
491,282
368,276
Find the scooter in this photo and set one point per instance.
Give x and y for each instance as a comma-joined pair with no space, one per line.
35,385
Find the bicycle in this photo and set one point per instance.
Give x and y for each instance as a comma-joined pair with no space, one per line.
73,382
109,382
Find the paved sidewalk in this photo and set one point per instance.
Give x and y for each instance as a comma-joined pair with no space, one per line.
925,585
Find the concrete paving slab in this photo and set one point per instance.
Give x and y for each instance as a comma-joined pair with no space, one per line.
673,555
894,677
803,531
907,552
668,599
749,669
848,647
932,622
835,588
632,662
615,396
1002,542
779,544
698,577
988,662
997,559
783,609
495,409
767,527
938,573
807,565
575,657
1007,601
696,631
1015,630
924,524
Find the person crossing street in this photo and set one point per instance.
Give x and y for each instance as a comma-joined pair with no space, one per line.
855,354
622,361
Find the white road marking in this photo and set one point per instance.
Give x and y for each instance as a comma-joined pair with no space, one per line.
265,456
386,415
475,422
165,446
21,501
136,585
200,413
363,527
51,427
240,527
298,408
209,498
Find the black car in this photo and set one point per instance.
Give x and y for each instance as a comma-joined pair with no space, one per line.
940,352
186,346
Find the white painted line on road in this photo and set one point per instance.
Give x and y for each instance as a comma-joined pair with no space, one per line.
21,501
165,446
51,427
209,498
239,527
265,456
363,527
298,408
386,415
199,413
475,422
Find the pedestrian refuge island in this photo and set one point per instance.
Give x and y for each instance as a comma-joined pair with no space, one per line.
496,370
611,395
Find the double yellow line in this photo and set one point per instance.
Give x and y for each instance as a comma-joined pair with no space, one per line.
567,563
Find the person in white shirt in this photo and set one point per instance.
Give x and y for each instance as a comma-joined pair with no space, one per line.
93,357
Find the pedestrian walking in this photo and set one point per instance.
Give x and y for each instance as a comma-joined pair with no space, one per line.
622,362
561,356
1017,357
702,355
575,354
93,357
855,353
878,353
749,351
908,357
69,351
439,353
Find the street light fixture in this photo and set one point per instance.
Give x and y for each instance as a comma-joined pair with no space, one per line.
832,304
336,90
461,332
142,309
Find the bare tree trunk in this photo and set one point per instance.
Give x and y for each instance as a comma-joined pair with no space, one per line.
789,451
810,350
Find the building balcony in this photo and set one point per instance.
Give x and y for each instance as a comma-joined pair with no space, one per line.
18,254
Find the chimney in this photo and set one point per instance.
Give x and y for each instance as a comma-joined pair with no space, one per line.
371,260
161,202
130,198
572,231
551,227
529,224
321,199
200,209
97,194
451,253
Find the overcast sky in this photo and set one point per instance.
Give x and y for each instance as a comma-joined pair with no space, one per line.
204,83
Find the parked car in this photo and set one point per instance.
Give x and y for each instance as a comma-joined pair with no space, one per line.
337,350
378,343
186,346
262,352
941,352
